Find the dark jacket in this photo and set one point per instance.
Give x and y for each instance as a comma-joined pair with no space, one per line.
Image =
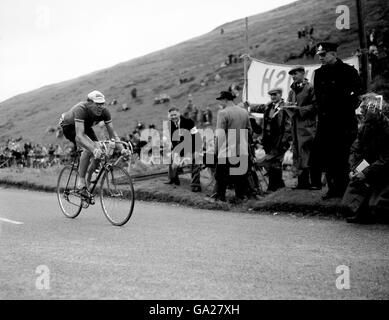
337,88
372,145
185,130
277,130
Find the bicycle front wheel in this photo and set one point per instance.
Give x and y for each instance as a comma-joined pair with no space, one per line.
117,195
69,201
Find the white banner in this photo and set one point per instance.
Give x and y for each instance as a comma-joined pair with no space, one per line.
264,76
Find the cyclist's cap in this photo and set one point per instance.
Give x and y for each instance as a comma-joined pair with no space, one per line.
96,97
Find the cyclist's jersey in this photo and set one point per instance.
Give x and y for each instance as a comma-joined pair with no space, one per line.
81,113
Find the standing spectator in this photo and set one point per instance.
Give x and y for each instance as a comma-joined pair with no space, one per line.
312,49
134,93
50,152
31,157
303,111
306,30
276,138
208,116
372,39
374,61
337,87
234,89
17,152
27,148
311,30
44,151
58,153
232,154
183,133
368,191
190,110
230,58
136,142
254,188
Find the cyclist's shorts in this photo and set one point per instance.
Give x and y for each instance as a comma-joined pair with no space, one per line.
70,133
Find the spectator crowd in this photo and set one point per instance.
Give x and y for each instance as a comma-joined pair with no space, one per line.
16,153
336,136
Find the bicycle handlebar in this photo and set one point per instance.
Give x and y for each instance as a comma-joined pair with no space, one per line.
125,144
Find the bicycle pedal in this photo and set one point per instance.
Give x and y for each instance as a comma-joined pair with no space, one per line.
84,204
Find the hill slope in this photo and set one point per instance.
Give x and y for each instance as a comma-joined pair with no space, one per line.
272,36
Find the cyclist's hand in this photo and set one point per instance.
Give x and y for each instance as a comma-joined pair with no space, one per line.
97,153
111,145
125,153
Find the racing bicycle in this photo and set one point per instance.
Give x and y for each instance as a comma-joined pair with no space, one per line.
113,185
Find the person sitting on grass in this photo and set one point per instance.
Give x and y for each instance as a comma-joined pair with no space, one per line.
367,194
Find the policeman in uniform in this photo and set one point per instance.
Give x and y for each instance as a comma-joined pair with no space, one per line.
337,86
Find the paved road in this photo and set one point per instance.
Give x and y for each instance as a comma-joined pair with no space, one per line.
170,252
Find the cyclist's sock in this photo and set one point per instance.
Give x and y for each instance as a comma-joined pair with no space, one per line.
81,186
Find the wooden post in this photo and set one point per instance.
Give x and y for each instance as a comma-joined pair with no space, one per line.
363,44
246,58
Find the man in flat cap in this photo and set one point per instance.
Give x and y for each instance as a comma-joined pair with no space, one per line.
276,137
337,87
232,129
301,106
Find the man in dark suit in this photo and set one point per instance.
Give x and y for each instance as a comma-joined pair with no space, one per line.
276,138
185,142
337,86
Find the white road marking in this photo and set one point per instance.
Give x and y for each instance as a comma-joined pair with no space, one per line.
10,221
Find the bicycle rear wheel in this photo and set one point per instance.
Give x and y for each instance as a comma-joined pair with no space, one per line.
69,201
117,195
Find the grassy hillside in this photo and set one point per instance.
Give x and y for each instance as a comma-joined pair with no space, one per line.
272,36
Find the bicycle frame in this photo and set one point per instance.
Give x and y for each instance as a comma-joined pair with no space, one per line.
103,167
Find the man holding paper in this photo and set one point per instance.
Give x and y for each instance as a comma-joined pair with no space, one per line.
367,194
301,106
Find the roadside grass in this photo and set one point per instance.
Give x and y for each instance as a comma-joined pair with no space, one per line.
284,201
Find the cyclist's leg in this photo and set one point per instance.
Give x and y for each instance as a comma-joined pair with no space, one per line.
69,133
83,167
94,164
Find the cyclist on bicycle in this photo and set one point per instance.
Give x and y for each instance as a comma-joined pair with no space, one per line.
77,126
